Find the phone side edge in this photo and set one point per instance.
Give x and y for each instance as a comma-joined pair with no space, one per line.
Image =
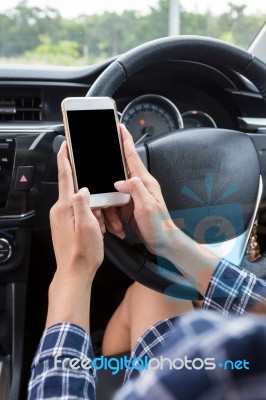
69,146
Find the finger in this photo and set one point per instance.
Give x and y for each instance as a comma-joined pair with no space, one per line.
120,234
136,189
127,212
112,216
84,218
65,178
113,222
100,217
133,160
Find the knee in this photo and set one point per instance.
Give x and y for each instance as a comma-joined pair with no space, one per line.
132,296
126,304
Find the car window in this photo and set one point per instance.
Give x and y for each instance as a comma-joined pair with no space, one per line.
84,32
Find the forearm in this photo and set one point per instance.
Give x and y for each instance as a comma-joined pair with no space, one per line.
226,288
69,300
195,262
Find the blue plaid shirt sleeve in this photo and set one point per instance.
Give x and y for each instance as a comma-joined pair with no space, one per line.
213,356
52,376
233,289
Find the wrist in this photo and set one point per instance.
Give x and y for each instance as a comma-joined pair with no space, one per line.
193,260
173,243
69,300
77,269
70,283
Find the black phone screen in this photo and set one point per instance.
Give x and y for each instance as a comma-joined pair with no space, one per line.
96,149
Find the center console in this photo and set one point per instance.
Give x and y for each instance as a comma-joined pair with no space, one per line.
28,188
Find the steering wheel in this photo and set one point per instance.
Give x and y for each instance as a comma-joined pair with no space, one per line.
186,158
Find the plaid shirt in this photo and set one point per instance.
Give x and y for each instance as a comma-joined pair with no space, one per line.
197,335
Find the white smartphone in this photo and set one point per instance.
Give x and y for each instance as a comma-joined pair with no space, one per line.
95,148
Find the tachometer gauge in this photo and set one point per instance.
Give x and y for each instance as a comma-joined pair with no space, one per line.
198,119
151,115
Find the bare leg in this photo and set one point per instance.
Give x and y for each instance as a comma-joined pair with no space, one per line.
140,308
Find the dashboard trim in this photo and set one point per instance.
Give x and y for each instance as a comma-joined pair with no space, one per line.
251,123
20,219
30,128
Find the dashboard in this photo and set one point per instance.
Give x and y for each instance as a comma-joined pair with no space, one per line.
165,97
168,96
172,92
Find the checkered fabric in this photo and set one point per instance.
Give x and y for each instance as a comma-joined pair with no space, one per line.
50,379
152,342
213,332
233,290
234,349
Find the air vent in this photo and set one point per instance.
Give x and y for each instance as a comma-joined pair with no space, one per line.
26,108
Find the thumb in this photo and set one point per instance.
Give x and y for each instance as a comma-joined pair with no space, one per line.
81,208
135,188
134,163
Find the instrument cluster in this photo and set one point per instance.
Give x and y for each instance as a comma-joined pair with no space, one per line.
151,115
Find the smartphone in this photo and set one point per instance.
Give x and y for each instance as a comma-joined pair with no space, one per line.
95,148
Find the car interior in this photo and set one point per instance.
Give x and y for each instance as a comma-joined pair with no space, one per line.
195,107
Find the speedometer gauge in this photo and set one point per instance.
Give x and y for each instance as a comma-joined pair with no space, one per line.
198,119
151,115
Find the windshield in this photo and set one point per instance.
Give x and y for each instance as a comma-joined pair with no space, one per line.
83,32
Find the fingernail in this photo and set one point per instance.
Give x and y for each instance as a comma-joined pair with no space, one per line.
119,183
115,226
84,190
122,235
97,213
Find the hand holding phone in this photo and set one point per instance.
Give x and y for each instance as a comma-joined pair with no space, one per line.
95,148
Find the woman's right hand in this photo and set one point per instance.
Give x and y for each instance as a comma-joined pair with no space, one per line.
148,215
147,212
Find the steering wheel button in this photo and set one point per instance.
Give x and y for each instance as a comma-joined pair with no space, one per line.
24,178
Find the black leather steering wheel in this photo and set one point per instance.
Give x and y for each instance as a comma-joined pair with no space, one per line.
206,153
